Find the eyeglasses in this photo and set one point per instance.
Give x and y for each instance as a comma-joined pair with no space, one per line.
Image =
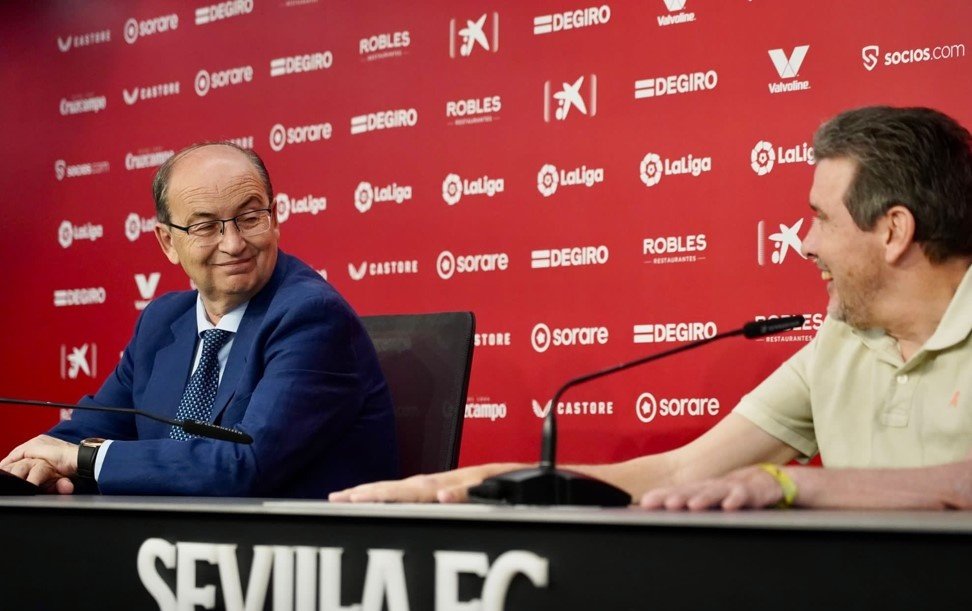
248,224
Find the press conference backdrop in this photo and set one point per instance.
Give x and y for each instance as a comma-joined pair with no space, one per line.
596,181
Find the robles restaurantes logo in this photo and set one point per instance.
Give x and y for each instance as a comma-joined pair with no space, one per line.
674,249
474,110
570,95
147,27
676,84
382,268
295,64
79,297
549,178
482,33
79,105
653,167
63,169
656,333
676,14
573,408
764,157
136,225
384,46
871,55
281,136
388,119
542,337
223,10
788,67
150,92
806,332
366,195
143,161
783,241
454,187
647,408
572,256
68,233
571,20
308,204
448,264
83,40
206,81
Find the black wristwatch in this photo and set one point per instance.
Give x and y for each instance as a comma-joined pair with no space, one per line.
87,453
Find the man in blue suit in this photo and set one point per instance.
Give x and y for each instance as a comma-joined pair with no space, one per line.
264,346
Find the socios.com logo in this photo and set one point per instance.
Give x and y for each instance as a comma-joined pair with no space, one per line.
762,158
540,337
452,189
445,265
547,180
60,167
646,407
869,55
202,83
651,169
278,137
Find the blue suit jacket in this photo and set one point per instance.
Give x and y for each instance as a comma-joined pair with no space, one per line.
302,378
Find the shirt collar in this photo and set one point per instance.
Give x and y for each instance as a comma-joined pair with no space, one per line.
229,322
956,324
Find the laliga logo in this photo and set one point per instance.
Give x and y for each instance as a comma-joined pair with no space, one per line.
133,227
651,169
65,234
762,158
547,180
869,55
540,340
364,196
452,189
283,207
445,265
646,407
60,167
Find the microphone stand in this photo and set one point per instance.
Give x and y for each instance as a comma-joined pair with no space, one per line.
547,485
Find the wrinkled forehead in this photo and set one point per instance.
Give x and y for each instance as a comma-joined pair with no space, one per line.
217,176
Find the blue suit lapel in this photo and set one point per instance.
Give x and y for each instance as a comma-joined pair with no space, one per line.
243,341
173,361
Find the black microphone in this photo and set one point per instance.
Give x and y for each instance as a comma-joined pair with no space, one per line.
193,427
547,485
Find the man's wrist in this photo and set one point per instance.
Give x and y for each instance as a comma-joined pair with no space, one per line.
87,455
788,487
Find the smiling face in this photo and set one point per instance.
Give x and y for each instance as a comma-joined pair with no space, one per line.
850,259
219,182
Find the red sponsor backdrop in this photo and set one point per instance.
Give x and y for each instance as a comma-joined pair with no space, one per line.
595,181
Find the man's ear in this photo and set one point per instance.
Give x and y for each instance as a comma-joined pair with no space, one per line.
164,235
898,232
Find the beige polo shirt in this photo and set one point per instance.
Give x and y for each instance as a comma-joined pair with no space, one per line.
849,395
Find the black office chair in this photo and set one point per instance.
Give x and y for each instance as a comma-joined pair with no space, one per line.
426,359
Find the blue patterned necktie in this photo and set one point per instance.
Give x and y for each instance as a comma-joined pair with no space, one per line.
197,401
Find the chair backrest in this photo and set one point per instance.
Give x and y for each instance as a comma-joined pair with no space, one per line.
426,359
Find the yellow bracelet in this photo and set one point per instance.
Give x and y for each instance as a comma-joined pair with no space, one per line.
787,486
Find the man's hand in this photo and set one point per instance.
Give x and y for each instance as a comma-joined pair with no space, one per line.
446,487
746,488
41,473
60,455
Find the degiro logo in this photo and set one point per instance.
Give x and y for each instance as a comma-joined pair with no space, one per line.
647,407
543,337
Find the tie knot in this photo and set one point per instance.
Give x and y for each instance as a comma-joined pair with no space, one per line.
214,339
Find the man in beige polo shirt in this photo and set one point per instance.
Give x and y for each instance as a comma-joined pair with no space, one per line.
884,391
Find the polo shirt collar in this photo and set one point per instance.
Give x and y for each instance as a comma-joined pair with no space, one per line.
956,324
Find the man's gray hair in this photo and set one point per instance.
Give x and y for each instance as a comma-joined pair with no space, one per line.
916,157
160,184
